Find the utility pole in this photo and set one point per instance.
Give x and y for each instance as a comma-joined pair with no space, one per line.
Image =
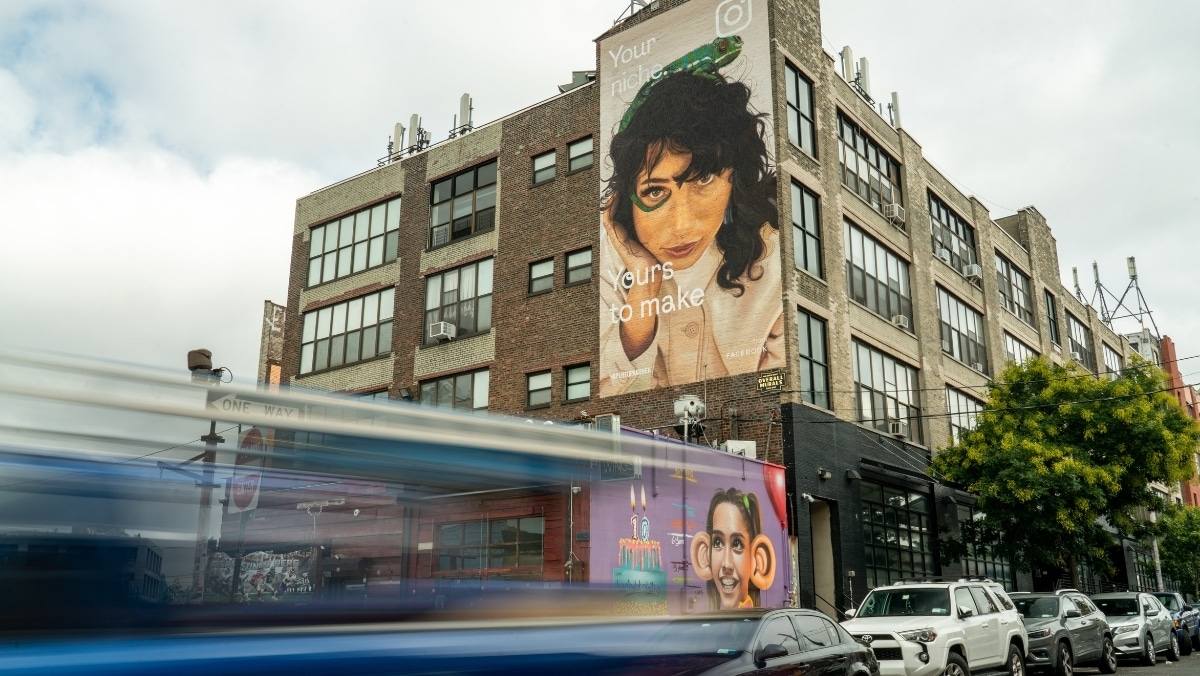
200,364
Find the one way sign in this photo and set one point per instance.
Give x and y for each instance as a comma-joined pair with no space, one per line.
232,403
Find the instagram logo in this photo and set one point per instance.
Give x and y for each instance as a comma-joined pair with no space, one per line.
733,16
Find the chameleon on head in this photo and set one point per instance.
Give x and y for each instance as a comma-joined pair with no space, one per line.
704,61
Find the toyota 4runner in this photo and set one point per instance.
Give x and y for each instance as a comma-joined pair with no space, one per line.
932,627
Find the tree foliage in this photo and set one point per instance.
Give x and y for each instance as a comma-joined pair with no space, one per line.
1055,450
1179,545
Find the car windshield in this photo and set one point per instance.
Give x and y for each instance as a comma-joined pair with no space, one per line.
1117,607
1169,601
881,603
1037,607
708,635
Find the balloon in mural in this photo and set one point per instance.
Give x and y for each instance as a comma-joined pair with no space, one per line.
776,480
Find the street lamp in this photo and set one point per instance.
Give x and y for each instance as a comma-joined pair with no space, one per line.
200,364
690,410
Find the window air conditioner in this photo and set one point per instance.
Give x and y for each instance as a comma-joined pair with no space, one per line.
898,428
972,272
1075,356
977,366
900,321
894,213
442,331
944,254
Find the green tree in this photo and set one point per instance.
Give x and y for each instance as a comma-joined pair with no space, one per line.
1055,450
1179,545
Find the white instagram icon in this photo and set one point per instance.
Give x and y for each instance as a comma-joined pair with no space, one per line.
733,16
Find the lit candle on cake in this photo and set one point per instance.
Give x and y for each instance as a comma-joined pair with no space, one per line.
633,520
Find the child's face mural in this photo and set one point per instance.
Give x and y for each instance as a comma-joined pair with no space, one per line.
731,558
676,222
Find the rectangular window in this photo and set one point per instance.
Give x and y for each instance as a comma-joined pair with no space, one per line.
867,170
1052,318
351,244
483,545
347,333
1113,362
1014,290
1080,339
962,410
1016,351
800,111
579,266
541,276
463,391
462,297
579,382
580,154
538,389
962,331
806,231
979,562
953,237
898,533
876,277
814,360
544,167
886,390
462,205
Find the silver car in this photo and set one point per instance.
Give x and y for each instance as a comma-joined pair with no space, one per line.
1065,630
1141,626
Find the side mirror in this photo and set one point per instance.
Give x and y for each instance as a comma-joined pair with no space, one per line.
850,612
768,652
965,612
1073,612
1188,609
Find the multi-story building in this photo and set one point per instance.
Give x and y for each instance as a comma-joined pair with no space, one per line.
479,273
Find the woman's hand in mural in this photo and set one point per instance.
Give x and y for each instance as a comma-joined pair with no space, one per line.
641,278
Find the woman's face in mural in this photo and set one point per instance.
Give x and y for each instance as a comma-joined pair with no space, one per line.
732,559
676,222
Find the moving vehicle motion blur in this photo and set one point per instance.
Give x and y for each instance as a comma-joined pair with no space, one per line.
1065,631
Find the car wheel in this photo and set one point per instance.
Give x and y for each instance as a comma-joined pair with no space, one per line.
1148,657
1015,662
1066,662
1196,639
1173,651
1108,657
1185,643
956,666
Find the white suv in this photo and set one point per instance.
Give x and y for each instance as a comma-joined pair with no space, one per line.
932,627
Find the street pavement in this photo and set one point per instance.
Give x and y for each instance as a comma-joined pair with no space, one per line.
1188,665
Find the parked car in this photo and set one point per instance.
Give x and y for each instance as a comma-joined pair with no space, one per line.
1065,630
1187,620
932,627
1141,626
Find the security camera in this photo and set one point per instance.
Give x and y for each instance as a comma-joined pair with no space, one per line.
807,498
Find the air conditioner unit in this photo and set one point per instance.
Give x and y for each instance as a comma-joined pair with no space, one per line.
894,213
900,321
944,254
747,449
977,366
972,272
1075,356
898,428
442,331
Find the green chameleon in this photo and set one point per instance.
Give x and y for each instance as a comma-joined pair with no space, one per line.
703,61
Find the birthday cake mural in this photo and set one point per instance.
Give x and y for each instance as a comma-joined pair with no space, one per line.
639,578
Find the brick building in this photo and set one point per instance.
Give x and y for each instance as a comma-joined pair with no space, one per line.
474,273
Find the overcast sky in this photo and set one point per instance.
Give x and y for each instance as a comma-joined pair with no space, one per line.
151,152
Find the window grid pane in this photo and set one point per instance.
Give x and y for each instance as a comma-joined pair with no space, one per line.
469,210
806,231
339,249
544,167
580,154
800,111
962,331
814,370
896,534
886,390
579,382
332,337
867,170
875,276
579,266
952,234
468,307
464,391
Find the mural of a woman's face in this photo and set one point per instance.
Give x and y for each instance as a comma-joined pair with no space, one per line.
732,559
676,222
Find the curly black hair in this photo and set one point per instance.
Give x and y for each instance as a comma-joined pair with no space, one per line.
709,117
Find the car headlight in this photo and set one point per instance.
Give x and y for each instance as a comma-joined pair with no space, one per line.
1124,629
1176,624
926,635
1040,633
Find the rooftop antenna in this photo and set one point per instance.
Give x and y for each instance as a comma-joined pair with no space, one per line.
894,109
464,116
634,7
397,141
1122,309
1078,291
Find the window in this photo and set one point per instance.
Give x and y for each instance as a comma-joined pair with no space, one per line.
1052,318
354,243
886,390
963,411
984,601
490,544
962,331
580,154
579,382
1113,362
463,205
814,362
1080,339
866,169
816,632
800,111
464,391
544,167
876,277
462,297
381,395
1016,351
779,630
541,276
579,266
347,333
897,533
537,389
1014,290
952,233
806,231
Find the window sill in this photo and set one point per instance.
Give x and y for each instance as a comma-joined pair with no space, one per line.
577,400
535,407
581,282
382,355
537,183
543,292
465,336
453,241
580,170
352,274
